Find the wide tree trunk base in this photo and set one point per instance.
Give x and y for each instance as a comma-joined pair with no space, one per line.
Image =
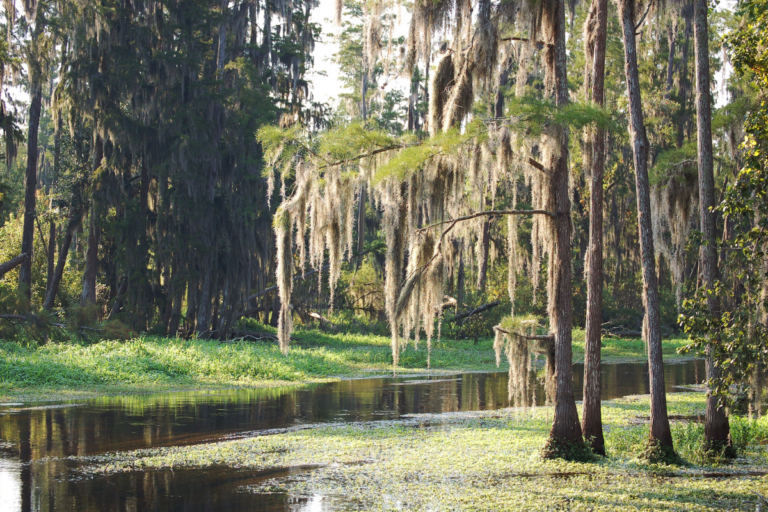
657,452
567,449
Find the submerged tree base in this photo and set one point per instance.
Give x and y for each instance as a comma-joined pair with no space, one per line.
658,453
720,450
568,450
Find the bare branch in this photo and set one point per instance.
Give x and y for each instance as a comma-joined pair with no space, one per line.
538,165
10,265
490,213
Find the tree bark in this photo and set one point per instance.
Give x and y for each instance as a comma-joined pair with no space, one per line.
204,304
460,278
485,245
12,264
659,432
30,199
592,423
716,427
91,261
92,254
566,428
53,289
360,225
687,12
51,254
672,38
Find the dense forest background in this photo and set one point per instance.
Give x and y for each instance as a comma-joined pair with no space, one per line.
135,179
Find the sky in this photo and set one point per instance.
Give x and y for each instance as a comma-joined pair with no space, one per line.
326,89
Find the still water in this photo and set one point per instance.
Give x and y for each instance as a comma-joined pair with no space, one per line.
36,438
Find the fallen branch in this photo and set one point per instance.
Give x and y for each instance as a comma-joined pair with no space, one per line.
538,165
320,318
480,309
254,335
10,265
30,319
543,337
625,334
449,303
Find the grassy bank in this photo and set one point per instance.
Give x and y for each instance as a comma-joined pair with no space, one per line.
155,364
488,461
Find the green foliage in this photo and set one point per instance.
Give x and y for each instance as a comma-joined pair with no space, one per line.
413,157
557,448
673,162
521,323
532,115
738,334
415,459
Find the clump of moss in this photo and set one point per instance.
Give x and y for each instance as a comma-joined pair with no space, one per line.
573,451
719,450
658,453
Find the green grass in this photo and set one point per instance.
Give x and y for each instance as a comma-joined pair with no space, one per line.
488,460
58,370
626,350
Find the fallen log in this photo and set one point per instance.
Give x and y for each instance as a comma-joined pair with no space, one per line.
461,317
253,335
624,334
10,265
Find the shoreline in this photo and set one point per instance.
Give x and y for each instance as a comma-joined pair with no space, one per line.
460,355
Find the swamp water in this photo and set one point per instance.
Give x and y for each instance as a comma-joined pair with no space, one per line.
37,439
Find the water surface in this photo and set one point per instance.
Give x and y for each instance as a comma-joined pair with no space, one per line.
35,438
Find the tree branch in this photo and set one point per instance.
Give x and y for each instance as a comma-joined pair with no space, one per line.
525,40
491,213
360,156
538,165
480,309
545,337
10,265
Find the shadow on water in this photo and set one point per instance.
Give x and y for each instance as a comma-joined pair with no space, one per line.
35,438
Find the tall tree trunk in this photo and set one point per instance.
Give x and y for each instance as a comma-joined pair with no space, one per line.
460,280
413,101
485,245
204,304
672,38
51,254
566,429
360,225
30,206
687,13
716,428
53,288
92,254
592,423
91,261
659,432
364,92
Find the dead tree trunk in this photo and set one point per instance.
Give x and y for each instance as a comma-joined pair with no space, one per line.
566,429
716,429
592,423
659,432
